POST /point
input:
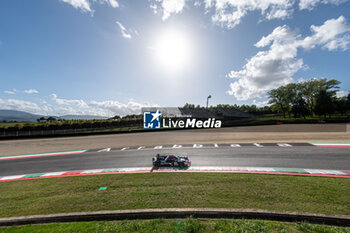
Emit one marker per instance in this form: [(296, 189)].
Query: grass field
[(188, 225), (175, 190)]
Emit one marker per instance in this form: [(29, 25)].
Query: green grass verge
[(175, 190), (188, 225)]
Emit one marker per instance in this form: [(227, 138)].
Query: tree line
[(51, 123), (253, 109), (315, 97), (309, 98)]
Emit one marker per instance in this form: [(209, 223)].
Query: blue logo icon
[(151, 120)]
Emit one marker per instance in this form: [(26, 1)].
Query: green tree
[(51, 118), (291, 96), (279, 100), (311, 88), (116, 117), (187, 105), (41, 119), (342, 105), (300, 108), (324, 103)]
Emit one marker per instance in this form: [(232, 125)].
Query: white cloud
[(311, 4), (31, 91), (72, 103), (168, 7), (276, 66), (101, 108), (172, 7), (267, 69), (20, 105), (342, 93), (154, 8), (61, 107), (230, 12), (330, 35), (197, 3), (261, 103), (9, 92), (113, 3), (83, 5), (124, 31), (70, 110), (117, 108)]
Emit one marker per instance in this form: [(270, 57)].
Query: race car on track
[(171, 161)]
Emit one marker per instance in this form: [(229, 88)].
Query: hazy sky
[(102, 57)]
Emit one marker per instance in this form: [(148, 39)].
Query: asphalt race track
[(293, 155)]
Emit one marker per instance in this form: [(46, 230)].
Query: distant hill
[(19, 116), (81, 117)]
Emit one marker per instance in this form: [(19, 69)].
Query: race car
[(171, 161)]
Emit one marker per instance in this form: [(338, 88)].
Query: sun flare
[(172, 50)]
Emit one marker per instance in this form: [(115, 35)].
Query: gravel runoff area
[(248, 134)]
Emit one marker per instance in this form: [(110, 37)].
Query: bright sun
[(172, 50)]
